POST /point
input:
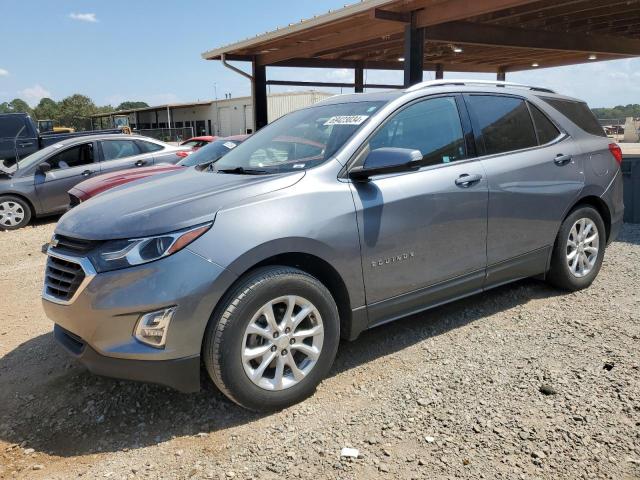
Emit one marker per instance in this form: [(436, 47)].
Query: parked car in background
[(203, 157), (19, 136), (256, 268), (39, 184), (197, 142)]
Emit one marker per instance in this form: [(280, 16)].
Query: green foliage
[(46, 109), (131, 105), (74, 111), (621, 111), (16, 105)]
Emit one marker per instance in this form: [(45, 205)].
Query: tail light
[(182, 154), (616, 151)]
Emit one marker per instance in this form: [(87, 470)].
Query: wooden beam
[(338, 63), (294, 83), (496, 35), (402, 17), (430, 15)]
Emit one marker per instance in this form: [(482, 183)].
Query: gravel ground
[(522, 382)]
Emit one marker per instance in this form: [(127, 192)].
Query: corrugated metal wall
[(281, 104)]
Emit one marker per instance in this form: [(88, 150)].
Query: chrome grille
[(62, 278), (76, 246)]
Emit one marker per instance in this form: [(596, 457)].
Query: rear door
[(122, 154), (25, 144), (69, 166), (534, 176)]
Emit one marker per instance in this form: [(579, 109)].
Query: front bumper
[(103, 316), (182, 374)]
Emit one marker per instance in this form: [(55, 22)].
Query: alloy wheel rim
[(11, 213), (583, 246), (282, 342)]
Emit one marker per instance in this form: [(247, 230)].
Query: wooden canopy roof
[(459, 35)]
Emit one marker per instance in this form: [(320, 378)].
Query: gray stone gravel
[(524, 382)]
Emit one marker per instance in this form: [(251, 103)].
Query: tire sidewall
[(25, 206), (234, 377), (561, 267)]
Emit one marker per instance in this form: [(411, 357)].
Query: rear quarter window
[(579, 113)]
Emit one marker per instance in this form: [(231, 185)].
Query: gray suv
[(334, 219)]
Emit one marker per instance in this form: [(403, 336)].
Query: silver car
[(354, 212), (39, 185)]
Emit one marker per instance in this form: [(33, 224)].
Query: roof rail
[(496, 83)]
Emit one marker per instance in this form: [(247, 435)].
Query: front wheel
[(579, 250), (274, 339), (14, 212)]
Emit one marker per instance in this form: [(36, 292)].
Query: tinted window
[(10, 125), (72, 157), (114, 149), (147, 147), (579, 113), (432, 126), (504, 123), (547, 131), (209, 153)]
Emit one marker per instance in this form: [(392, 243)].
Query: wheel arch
[(601, 207), (24, 198)]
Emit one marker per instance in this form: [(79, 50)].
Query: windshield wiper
[(242, 171)]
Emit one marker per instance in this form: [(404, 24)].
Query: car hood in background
[(166, 203), (106, 181)]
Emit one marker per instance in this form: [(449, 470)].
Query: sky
[(148, 50)]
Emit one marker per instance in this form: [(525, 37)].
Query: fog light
[(152, 327)]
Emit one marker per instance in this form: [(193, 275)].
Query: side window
[(504, 123), (72, 157), (148, 147), (546, 131), (114, 149), (431, 126), (10, 125), (579, 113)]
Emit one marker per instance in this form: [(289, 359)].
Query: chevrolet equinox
[(336, 218)]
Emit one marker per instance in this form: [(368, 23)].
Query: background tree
[(16, 105), (47, 109), (75, 112), (131, 105)]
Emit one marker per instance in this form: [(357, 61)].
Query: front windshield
[(209, 153), (303, 139)]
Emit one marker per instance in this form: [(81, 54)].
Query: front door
[(535, 175), (11, 143), (423, 233), (69, 167)]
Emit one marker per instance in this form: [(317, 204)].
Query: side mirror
[(44, 167), (387, 160)]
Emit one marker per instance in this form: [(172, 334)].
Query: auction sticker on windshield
[(346, 120), (229, 145)]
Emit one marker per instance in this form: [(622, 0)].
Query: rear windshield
[(579, 113)]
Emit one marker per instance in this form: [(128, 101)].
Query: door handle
[(140, 163), (465, 180), (561, 159), (25, 144), (86, 173)]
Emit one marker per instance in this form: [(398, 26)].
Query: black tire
[(23, 208), (224, 336), (560, 274)]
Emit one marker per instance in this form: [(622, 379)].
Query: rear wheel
[(14, 212), (274, 340), (579, 250)]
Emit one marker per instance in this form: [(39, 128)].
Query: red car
[(197, 142), (204, 156)]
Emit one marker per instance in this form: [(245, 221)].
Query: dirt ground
[(523, 382)]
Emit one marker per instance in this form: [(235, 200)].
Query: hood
[(165, 203), (106, 181)]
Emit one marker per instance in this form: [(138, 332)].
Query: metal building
[(225, 117)]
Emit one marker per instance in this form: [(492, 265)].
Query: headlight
[(118, 254)]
